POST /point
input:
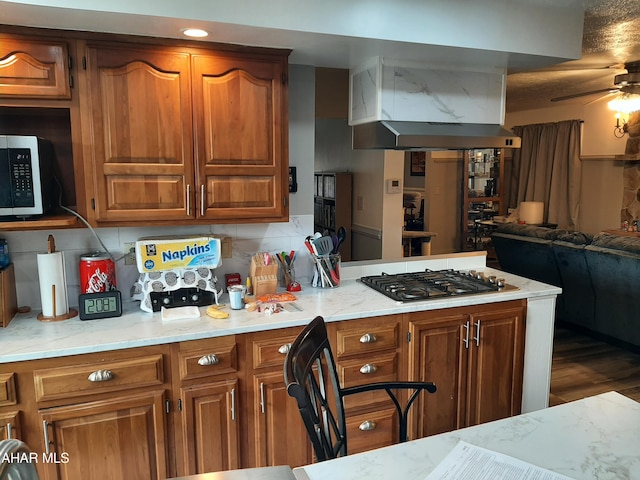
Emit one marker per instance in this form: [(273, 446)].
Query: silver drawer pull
[(368, 368), (210, 359), (284, 349), (368, 338), (9, 428), (101, 376), (367, 426)]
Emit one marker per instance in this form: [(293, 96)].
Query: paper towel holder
[(51, 248)]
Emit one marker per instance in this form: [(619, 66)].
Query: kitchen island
[(26, 338), (588, 439), (207, 394)]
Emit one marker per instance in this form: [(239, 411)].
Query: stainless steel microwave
[(27, 184)]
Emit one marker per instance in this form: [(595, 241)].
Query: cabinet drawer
[(8, 389), (371, 336), (271, 352), (367, 431), (204, 362), (382, 368), (74, 381)]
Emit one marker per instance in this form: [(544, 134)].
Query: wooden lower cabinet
[(276, 433), (10, 425), (221, 403), (475, 356), (9, 407), (207, 409), (210, 428), (121, 437)]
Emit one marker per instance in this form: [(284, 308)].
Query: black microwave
[(27, 185)]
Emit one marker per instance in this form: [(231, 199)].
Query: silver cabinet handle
[(368, 368), (188, 200), (101, 376), (261, 397), (367, 426), (202, 200), (477, 337), (368, 338), (46, 437), (9, 431), (233, 404), (284, 349), (210, 359), (466, 335)]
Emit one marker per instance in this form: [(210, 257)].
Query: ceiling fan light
[(625, 103)]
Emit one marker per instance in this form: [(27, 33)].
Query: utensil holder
[(327, 271), (288, 275)]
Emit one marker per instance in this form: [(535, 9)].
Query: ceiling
[(611, 37)]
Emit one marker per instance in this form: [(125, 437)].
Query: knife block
[(264, 277), (8, 298)]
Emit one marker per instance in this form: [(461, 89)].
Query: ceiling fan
[(628, 83)]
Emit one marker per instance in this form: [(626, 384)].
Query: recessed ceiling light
[(195, 32)]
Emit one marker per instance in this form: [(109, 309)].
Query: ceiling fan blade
[(584, 94)]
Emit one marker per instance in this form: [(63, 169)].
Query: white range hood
[(408, 106)]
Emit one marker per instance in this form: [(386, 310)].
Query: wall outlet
[(129, 251), (226, 247)]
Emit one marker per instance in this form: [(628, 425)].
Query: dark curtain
[(547, 169)]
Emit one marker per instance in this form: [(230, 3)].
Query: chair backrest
[(308, 366)]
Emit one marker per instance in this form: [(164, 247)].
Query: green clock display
[(92, 306)]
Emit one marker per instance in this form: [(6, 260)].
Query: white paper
[(178, 313), (51, 272), (468, 462)]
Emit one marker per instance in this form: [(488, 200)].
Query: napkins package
[(165, 253)]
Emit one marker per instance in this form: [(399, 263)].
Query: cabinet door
[(495, 365), (34, 68), (241, 137), (280, 436), (438, 354), (122, 437), (210, 427), (10, 425), (139, 109)]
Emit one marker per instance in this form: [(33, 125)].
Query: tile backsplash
[(247, 239)]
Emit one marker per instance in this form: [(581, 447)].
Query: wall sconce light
[(623, 105), (620, 129)]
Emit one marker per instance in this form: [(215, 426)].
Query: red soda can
[(97, 273)]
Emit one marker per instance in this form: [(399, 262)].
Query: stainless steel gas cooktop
[(430, 284)]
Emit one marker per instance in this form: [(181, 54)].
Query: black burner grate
[(430, 284)]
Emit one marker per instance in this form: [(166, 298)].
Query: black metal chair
[(311, 378)]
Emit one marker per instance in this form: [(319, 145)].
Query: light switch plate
[(394, 185)]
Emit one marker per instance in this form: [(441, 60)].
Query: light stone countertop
[(589, 439), (26, 338)]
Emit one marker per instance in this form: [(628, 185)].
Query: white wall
[(443, 203), (392, 209)]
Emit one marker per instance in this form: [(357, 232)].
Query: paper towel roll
[(51, 272), (531, 212)]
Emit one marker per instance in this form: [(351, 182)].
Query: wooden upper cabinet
[(34, 68), (240, 122), (138, 102)]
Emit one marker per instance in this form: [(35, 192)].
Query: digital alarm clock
[(92, 306)]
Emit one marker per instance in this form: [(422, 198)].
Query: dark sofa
[(599, 275)]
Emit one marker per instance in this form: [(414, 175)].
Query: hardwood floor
[(583, 366)]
